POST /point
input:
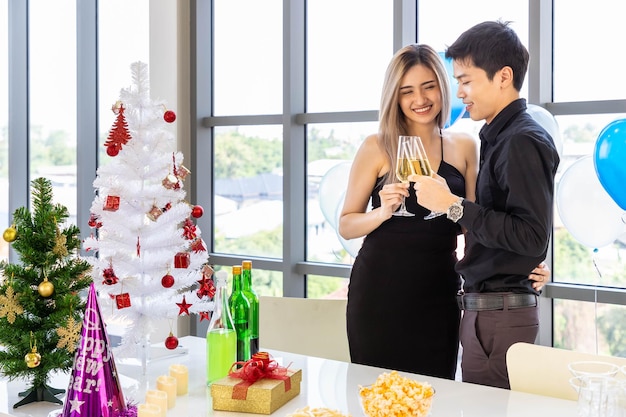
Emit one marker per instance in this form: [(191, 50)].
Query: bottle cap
[(236, 269), (246, 264), (221, 278)]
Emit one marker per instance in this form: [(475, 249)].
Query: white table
[(325, 383)]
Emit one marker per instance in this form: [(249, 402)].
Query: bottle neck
[(237, 282), (221, 312), (247, 279)]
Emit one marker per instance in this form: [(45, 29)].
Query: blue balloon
[(610, 160), (457, 108)]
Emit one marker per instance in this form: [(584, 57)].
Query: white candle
[(148, 410), (168, 384), (181, 373), (158, 398)]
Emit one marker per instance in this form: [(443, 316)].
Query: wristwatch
[(455, 211)]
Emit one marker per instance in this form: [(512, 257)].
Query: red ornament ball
[(169, 116), (171, 342), (197, 211), (167, 281), (112, 151)]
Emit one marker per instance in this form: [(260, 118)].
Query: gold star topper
[(9, 305), (69, 335)]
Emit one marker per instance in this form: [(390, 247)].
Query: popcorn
[(393, 395), (317, 412)]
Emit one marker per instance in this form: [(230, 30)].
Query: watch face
[(455, 212)]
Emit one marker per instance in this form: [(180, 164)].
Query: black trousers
[(487, 335)]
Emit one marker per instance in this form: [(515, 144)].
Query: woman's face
[(420, 96)]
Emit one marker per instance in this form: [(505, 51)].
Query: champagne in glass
[(422, 167), (404, 168)]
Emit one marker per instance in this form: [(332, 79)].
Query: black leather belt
[(495, 301)]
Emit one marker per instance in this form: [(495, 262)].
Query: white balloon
[(548, 122), (586, 209), (332, 187)]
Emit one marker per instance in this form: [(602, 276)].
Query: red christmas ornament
[(112, 151), (169, 116), (109, 276), (112, 203), (197, 246), (181, 260), (167, 281), (183, 306), (171, 342), (197, 211), (93, 220), (205, 315), (119, 134), (189, 229), (122, 300)]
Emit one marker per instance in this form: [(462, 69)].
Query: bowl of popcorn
[(393, 395)]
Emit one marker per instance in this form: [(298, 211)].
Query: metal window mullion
[(294, 147), (19, 116), (87, 130)]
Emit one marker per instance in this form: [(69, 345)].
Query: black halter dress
[(402, 312)]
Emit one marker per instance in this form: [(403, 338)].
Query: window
[(117, 50), (4, 124), (347, 56), (248, 57), (248, 178), (586, 61), (52, 63)]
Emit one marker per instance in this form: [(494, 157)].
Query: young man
[(509, 225)]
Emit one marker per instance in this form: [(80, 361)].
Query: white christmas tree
[(150, 264)]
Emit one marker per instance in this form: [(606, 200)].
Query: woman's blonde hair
[(392, 122)]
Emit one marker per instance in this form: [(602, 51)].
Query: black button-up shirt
[(509, 226)]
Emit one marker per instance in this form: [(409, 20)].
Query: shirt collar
[(489, 132)]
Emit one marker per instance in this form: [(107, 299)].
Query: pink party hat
[(94, 388)]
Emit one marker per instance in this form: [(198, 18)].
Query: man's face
[(479, 94)]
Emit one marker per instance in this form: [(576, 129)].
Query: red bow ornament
[(260, 366)]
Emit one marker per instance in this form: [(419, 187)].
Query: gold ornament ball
[(46, 289), (10, 234), (32, 359)]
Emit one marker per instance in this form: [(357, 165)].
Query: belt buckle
[(461, 296)]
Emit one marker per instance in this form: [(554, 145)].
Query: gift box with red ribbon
[(122, 300), (258, 386), (181, 260), (112, 203)]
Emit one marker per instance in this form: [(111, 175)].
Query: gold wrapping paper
[(264, 396)]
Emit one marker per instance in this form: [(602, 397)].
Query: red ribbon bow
[(260, 366)]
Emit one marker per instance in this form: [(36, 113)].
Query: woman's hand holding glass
[(404, 168)]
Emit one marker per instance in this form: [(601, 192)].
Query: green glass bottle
[(221, 338), (253, 298), (240, 310)]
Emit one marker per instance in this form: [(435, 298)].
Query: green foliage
[(578, 134), (572, 259), (328, 147), (239, 156), (613, 327), (47, 252), (322, 287)]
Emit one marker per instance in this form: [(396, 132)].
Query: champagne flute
[(421, 166), (404, 169)]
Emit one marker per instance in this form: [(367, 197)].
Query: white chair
[(304, 325), (543, 370)]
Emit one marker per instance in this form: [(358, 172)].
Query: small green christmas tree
[(41, 308)]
